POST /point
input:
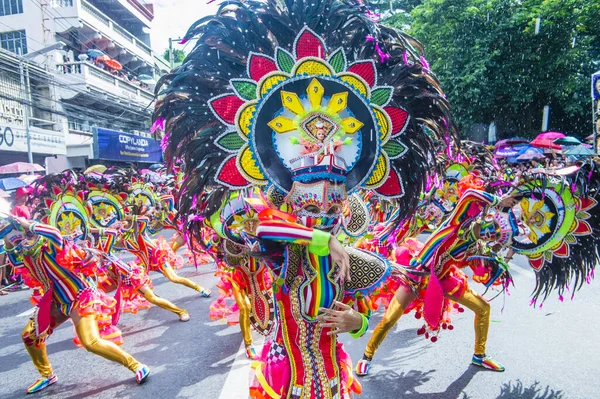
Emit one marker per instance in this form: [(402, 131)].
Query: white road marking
[(26, 313), (237, 382)]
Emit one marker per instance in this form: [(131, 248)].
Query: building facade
[(101, 79)]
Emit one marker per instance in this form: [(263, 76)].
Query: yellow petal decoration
[(385, 124), (315, 93), (282, 124), (351, 125), (380, 172), (244, 120), (247, 165), (356, 82), (313, 67), (271, 81), (292, 102), (338, 102)]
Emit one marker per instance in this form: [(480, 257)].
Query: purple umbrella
[(506, 152), (511, 142)]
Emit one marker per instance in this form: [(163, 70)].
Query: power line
[(51, 81), (58, 18), (85, 110)]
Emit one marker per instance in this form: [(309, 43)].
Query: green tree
[(178, 55), (495, 67)]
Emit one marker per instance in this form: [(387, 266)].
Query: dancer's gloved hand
[(340, 257), (343, 320)]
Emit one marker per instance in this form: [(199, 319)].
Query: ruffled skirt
[(163, 254), (93, 302)]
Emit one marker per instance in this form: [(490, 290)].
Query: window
[(14, 41), (10, 7), (61, 3)]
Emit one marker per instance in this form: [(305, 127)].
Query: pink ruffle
[(132, 299), (163, 254), (92, 302), (224, 307), (77, 260)]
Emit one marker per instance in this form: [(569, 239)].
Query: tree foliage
[(178, 55), (495, 67)]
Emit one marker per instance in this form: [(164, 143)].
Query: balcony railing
[(106, 23), (99, 15), (90, 74)]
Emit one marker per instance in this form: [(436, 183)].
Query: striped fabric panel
[(51, 233), (293, 233), (322, 292), (471, 201)]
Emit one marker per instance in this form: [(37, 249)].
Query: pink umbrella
[(551, 136), (545, 143), (21, 167)]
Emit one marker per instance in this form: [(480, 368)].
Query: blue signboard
[(118, 146)]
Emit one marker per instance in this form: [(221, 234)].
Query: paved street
[(550, 353)]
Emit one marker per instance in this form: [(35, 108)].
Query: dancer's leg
[(393, 313), (481, 308), (170, 274), (243, 302), (87, 331), (178, 243), (36, 348), (163, 303)]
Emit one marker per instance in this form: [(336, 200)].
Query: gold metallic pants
[(89, 336), (160, 302), (170, 274), (243, 302), (177, 243), (481, 308), (469, 299), (389, 320)]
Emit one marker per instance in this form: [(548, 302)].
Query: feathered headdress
[(277, 92)]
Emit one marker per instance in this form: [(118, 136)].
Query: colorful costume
[(67, 293), (552, 226), (311, 119), (244, 277), (132, 282)]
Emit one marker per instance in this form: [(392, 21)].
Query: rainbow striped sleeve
[(470, 197), (469, 205), (51, 233), (282, 231), (107, 241), (142, 223)]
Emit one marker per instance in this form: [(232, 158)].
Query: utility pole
[(171, 55), (545, 118), (596, 109), (25, 95)]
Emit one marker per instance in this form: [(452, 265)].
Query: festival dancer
[(445, 252), (131, 280), (67, 294), (105, 211), (153, 255), (244, 277), (313, 120)]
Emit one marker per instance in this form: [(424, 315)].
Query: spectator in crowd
[(3, 280), (19, 209)]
